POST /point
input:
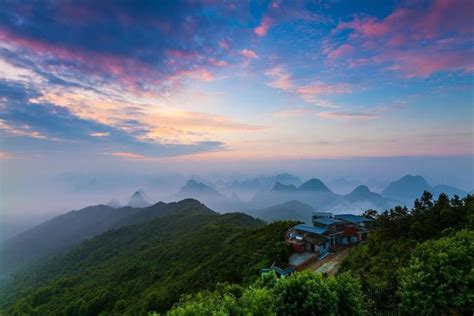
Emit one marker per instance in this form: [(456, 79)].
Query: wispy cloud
[(418, 40), (292, 113), (348, 115), (280, 78), (248, 53), (262, 29), (127, 155)]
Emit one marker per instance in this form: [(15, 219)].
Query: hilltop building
[(328, 232)]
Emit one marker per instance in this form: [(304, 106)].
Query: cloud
[(248, 53), (123, 44), (348, 115), (281, 78), (321, 88), (312, 93), (341, 51), (5, 155), (128, 155), (99, 134), (292, 113), (36, 124), (417, 40), (262, 29)]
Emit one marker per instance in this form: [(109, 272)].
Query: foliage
[(380, 262), (440, 277), (303, 293), (144, 267), (197, 262)]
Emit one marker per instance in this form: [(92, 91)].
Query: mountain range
[(313, 193), (281, 201), (209, 196), (147, 267), (63, 232), (409, 187)]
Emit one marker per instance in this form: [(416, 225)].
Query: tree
[(440, 277), (370, 213), (305, 293)]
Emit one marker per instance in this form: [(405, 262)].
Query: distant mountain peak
[(361, 189), (417, 179), (193, 187), (282, 187), (138, 199), (193, 184), (314, 185)]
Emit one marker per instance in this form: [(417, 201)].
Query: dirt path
[(330, 264)]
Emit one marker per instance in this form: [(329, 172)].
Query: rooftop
[(353, 218), (310, 229), (326, 220), (321, 214)]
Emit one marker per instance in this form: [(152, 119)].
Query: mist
[(32, 191)]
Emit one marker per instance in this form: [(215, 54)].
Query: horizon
[(230, 90)]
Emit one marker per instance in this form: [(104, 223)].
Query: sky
[(234, 86)]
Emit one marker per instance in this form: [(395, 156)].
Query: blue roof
[(281, 271), (354, 218), (310, 229), (326, 220)]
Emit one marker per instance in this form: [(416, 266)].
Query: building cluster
[(328, 233)]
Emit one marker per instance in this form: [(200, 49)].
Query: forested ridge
[(434, 238), (195, 261), (417, 261), (139, 268)]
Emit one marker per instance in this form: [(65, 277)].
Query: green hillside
[(146, 267)]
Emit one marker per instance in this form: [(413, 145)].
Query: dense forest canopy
[(144, 267), (193, 263)]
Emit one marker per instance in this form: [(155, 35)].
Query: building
[(281, 272), (358, 225), (305, 238), (328, 232)]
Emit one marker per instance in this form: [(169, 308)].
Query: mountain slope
[(148, 266), (64, 231), (193, 188), (361, 199), (409, 187), (291, 210), (57, 234), (314, 185), (209, 196), (313, 192)]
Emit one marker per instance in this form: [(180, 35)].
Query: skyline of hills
[(282, 201)]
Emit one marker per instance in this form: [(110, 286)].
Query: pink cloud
[(348, 115), (5, 155), (417, 40), (199, 73), (248, 53), (128, 155), (224, 44), (321, 88), (218, 63), (292, 113), (262, 29), (425, 62), (341, 51), (281, 79)]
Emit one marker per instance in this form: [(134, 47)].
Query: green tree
[(440, 277), (305, 293)]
